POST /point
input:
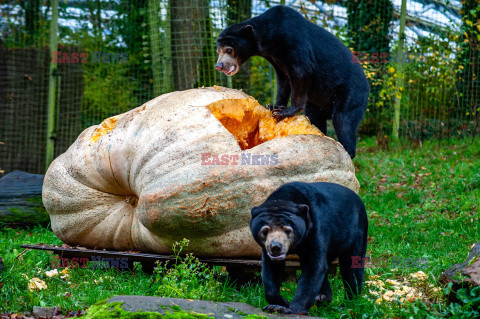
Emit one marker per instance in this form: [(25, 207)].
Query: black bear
[(313, 67), (319, 222)]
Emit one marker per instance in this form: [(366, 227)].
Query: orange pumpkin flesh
[(252, 124), (106, 126)]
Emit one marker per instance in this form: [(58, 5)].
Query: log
[(21, 199), (464, 275)]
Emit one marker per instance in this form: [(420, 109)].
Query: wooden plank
[(240, 270), (148, 257)]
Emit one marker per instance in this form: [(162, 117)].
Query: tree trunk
[(238, 11), (32, 20), (189, 33)]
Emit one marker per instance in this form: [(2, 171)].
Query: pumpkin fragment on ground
[(142, 181)]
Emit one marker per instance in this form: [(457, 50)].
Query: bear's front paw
[(277, 308), (280, 114)]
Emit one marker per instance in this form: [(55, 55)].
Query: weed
[(189, 278)]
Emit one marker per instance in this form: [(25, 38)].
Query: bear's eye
[(264, 231), (229, 51), (288, 231)]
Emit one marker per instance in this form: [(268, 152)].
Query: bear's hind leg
[(316, 118), (346, 120), (352, 275)]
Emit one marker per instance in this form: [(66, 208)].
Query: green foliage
[(468, 59), (261, 80), (470, 297), (430, 76), (368, 32), (369, 24), (428, 106), (188, 278), (109, 90), (382, 92), (112, 86)]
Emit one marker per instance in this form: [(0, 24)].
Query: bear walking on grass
[(314, 68), (319, 222)]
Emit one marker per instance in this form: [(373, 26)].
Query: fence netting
[(421, 58)]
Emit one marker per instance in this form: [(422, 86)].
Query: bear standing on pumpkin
[(314, 68)]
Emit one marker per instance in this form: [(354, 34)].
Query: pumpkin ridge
[(113, 173)]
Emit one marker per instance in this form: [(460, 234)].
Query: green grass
[(423, 206)]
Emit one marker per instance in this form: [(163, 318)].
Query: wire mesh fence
[(421, 58)]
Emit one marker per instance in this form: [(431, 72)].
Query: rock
[(21, 199), (219, 310), (150, 177), (466, 273), (45, 312)]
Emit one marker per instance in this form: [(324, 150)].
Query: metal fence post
[(52, 85), (168, 81), (399, 82), (153, 9)]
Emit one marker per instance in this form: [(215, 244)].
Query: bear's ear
[(255, 211), (248, 30), (305, 213)]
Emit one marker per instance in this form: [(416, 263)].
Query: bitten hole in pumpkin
[(252, 124)]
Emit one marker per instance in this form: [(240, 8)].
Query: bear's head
[(279, 226), (235, 45)]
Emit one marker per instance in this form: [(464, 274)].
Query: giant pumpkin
[(188, 164)]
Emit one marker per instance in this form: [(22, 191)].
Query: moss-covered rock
[(113, 310)]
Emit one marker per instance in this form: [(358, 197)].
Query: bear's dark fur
[(313, 67), (319, 222)]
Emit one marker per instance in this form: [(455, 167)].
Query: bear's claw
[(273, 108), (284, 113), (277, 308), (323, 300)]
